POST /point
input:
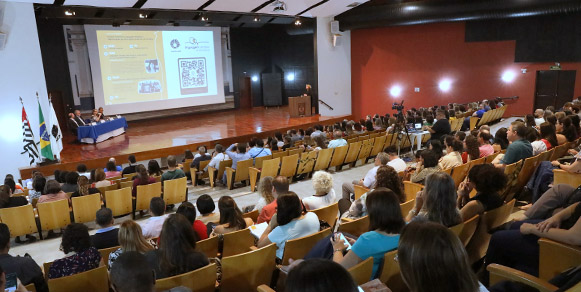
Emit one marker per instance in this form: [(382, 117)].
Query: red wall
[(421, 55)]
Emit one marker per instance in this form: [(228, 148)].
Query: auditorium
[(123, 119)]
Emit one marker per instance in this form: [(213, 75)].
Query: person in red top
[(143, 178), (279, 187), (189, 211)]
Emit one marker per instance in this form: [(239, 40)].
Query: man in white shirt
[(152, 227), (394, 161), (539, 116), (369, 181), (217, 156), (337, 140)]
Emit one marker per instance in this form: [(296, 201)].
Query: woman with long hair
[(189, 211), (100, 179), (230, 217), (437, 201), (530, 121), (84, 187), (472, 149), (432, 259), (8, 201), (427, 164), (111, 170), (500, 139), (264, 192), (437, 148), (548, 139), (565, 129), (153, 168), (488, 181), (576, 120), (177, 249), (142, 178), (130, 239)]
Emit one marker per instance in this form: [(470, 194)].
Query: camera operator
[(440, 128)]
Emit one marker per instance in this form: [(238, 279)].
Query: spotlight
[(204, 18), (69, 12), (395, 91), (508, 76), (256, 19), (445, 85), (254, 78), (290, 77), (298, 22), (141, 15)]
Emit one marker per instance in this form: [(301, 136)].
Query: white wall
[(334, 70), (21, 74)]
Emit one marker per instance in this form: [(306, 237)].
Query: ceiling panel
[(292, 7), (235, 5), (331, 8), (174, 4), (102, 3)]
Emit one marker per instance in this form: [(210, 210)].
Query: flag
[(45, 149), (56, 136), (28, 139)]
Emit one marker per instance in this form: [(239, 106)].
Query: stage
[(160, 137)]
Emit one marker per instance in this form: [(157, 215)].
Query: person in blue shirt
[(258, 150), (385, 224), (236, 152), (337, 140)]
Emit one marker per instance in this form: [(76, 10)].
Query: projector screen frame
[(128, 108)]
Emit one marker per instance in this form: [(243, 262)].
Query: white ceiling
[(329, 8)]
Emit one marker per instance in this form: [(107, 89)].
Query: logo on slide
[(174, 44), (192, 41)]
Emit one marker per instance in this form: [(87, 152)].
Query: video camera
[(397, 107)]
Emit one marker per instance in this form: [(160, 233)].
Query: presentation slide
[(139, 69)]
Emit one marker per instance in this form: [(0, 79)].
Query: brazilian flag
[(45, 149)]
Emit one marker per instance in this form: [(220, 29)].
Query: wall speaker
[(335, 27), (3, 38), (337, 40)]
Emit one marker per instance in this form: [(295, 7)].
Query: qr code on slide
[(193, 72)]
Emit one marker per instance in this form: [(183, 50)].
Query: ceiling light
[(298, 22), (254, 78), (290, 77), (69, 12), (141, 15), (445, 85), (256, 19), (508, 76), (204, 18), (411, 8), (395, 91)]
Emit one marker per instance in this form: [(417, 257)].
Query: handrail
[(326, 104)]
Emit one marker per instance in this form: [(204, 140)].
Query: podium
[(300, 106)]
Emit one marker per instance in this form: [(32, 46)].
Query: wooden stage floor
[(150, 139)]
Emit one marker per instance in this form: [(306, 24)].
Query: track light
[(256, 19), (204, 18), (141, 15), (298, 22), (69, 12)]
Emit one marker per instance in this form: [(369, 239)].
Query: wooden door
[(554, 88)]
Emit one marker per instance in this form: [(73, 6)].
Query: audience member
[(202, 155), (8, 201), (319, 275), (290, 223), (80, 256), (217, 156), (264, 192), (324, 193), (453, 157), (279, 187), (337, 141), (519, 147), (25, 268), (107, 235), (484, 147), (131, 168), (488, 181), (111, 170), (368, 181), (173, 171), (437, 201), (239, 155), (539, 116), (84, 188), (62, 177), (230, 217), (117, 167), (130, 240), (177, 249), (152, 226), (427, 164), (52, 192), (153, 168), (131, 273), (206, 207), (566, 129), (70, 185), (500, 139), (82, 170), (38, 184), (385, 224), (189, 211), (440, 128), (472, 148), (142, 179), (258, 150), (394, 161), (439, 264), (555, 199), (100, 179)]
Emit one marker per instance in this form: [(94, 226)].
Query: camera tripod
[(401, 131)]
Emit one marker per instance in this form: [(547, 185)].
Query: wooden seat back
[(459, 173), (355, 227), (295, 151), (307, 162), (86, 207), (324, 159), (353, 152), (511, 171), (115, 186), (456, 229), (144, 195), (299, 247), (186, 166), (259, 160), (245, 272), (359, 191), (329, 214), (556, 257), (53, 215), (237, 242), (406, 207), (546, 155), (339, 154), (199, 172), (175, 191), (208, 246), (366, 148), (490, 158), (202, 279), (95, 280), (528, 168), (361, 272), (564, 177), (125, 184), (252, 215), (390, 272), (378, 145), (105, 252), (270, 167), (279, 154), (411, 189), (288, 167), (20, 220), (214, 173), (468, 228), (119, 201), (242, 170), (479, 243), (476, 162)]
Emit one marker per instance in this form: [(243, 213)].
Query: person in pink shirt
[(52, 192), (112, 170), (484, 142)]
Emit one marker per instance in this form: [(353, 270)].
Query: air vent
[(354, 4)]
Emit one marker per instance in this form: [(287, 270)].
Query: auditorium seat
[(355, 227), (95, 280), (259, 160), (144, 195), (564, 177), (526, 171), (279, 154), (214, 173), (307, 162), (245, 272), (252, 215), (328, 214), (378, 146), (407, 207), (119, 201), (199, 280), (208, 246), (390, 272), (175, 191), (199, 174), (288, 166), (411, 189), (365, 152), (459, 173), (105, 252), (53, 215), (299, 247), (511, 171), (359, 191), (456, 229), (239, 174), (126, 184), (362, 272), (86, 207), (237, 242), (468, 229), (323, 159), (269, 168), (20, 220), (352, 153), (338, 157)]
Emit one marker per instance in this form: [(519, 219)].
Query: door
[(554, 88)]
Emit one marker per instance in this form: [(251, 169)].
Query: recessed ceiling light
[(298, 22), (141, 15), (256, 19), (69, 12)]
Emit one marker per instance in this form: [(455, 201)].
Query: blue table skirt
[(95, 131)]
